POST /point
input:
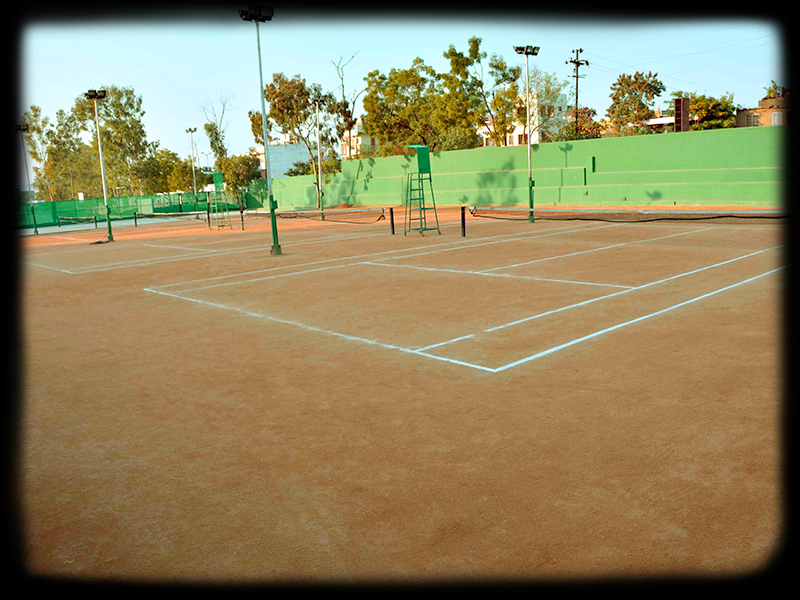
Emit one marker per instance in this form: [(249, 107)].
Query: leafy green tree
[(37, 143), (632, 100), (238, 172), (582, 128), (293, 107), (492, 99), (546, 91), (399, 107), (706, 112), (126, 150)]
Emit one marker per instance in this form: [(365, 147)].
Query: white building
[(355, 139), (546, 116), (282, 155)]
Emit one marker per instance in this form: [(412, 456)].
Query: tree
[(344, 110), (399, 107), (126, 150), (37, 143), (293, 107), (492, 100), (632, 100), (582, 128), (215, 129), (706, 112), (238, 172), (546, 98)]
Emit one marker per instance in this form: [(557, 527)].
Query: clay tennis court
[(559, 399)]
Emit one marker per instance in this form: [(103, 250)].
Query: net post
[(531, 218), (463, 223), (391, 217), (276, 248)]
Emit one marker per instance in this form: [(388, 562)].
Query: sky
[(179, 66)]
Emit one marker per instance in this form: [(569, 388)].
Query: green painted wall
[(742, 166)]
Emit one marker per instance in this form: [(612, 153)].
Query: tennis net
[(199, 215), (628, 215), (354, 216), (77, 220)]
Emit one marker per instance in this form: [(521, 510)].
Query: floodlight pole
[(92, 94), (256, 13), (190, 131), (319, 168), (528, 51), (22, 129)]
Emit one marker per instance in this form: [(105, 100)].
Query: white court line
[(506, 275), (370, 254), (180, 247), (27, 262), (591, 300), (625, 324), (320, 330), (596, 249), (420, 352)]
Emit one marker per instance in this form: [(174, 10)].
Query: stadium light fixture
[(262, 14), (96, 95), (528, 51)]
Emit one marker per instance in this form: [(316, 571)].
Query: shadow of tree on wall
[(566, 149), (498, 187), (654, 195)]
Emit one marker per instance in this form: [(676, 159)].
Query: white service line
[(530, 262), (627, 323), (461, 244), (506, 275)]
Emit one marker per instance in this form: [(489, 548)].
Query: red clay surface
[(195, 409)]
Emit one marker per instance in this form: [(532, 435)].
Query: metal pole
[(531, 218), (276, 248), (319, 168), (191, 154), (103, 173)]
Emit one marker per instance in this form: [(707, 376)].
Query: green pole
[(531, 218), (276, 247), (103, 173)]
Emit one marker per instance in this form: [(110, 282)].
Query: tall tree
[(400, 107), (496, 92), (632, 98), (293, 107), (38, 143), (215, 129), (344, 117), (238, 172), (126, 149)]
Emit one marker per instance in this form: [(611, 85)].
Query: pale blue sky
[(176, 67)]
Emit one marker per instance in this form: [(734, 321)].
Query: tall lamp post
[(528, 51), (100, 95), (23, 128), (190, 131), (262, 14)]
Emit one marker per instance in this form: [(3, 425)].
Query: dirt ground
[(369, 407)]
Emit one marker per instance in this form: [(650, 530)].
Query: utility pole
[(578, 63)]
